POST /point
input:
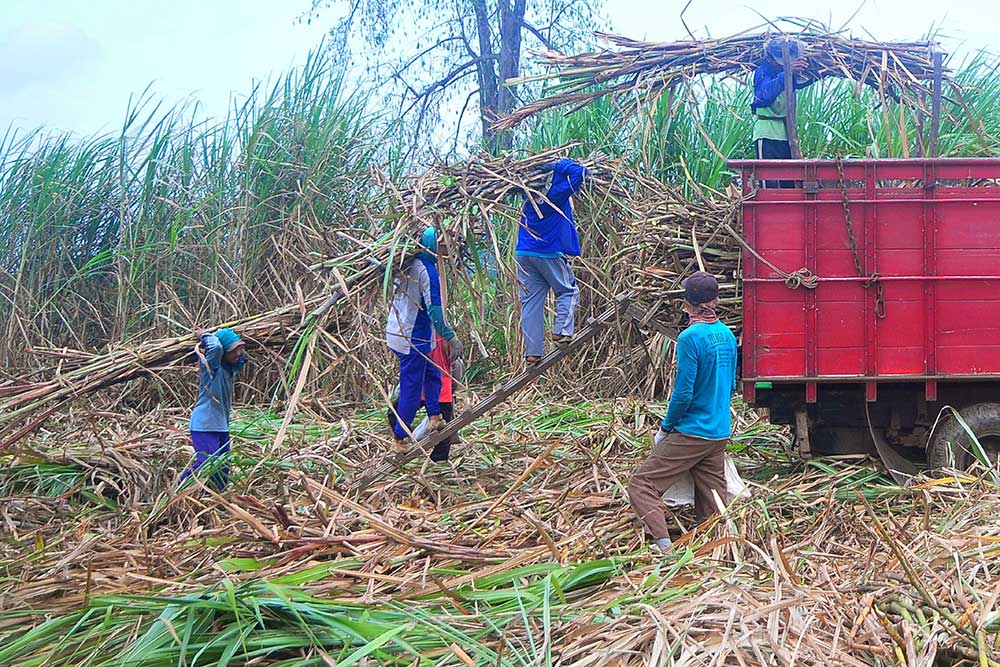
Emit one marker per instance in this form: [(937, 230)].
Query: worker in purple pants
[(220, 357)]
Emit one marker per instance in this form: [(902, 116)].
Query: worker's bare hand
[(800, 65), (199, 332)]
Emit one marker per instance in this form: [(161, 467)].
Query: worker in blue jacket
[(697, 427), (416, 313), (770, 134), (220, 357), (547, 236)]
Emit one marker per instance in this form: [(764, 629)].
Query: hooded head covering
[(775, 48), (429, 241), (228, 338)]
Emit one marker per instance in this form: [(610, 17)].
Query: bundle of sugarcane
[(84, 373), (897, 68), (638, 232), (489, 181), (670, 237)]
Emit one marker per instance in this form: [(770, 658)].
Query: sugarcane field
[(282, 383)]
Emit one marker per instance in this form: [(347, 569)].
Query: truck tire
[(950, 445)]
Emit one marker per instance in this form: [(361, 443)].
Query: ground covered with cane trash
[(520, 551)]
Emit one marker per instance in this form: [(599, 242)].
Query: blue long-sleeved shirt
[(705, 382), (550, 231), (769, 101), (216, 379), (769, 84)]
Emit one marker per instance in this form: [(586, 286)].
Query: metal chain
[(842, 184), (874, 278)]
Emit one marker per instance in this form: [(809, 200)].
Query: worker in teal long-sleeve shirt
[(697, 427)]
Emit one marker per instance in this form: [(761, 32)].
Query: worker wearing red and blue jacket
[(769, 132), (547, 236), (416, 313)]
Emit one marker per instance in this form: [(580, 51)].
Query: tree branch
[(538, 34), (461, 117), (456, 74), (409, 63)]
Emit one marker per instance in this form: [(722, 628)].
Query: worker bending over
[(697, 426), (414, 316), (770, 134), (547, 236), (220, 357)]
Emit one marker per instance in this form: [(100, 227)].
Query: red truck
[(871, 300)]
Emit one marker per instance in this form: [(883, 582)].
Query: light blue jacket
[(215, 388), (416, 310)]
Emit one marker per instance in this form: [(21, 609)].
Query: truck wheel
[(951, 446)]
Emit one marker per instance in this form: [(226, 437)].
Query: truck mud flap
[(900, 469)]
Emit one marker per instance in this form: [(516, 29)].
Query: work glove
[(394, 398), (659, 436), (455, 349), (547, 168), (457, 370)]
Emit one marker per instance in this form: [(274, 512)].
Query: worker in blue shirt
[(415, 314), (697, 427), (220, 357), (770, 134), (547, 236)]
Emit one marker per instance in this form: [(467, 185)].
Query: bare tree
[(434, 53)]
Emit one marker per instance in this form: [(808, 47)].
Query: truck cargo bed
[(918, 301)]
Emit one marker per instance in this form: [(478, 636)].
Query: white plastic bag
[(421, 430), (682, 491)]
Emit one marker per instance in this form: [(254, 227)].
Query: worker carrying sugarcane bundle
[(769, 105), (221, 356), (547, 236), (415, 315), (694, 433)]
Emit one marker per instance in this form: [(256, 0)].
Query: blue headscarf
[(228, 338), (429, 241)]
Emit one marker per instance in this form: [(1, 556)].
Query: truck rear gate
[(907, 257)]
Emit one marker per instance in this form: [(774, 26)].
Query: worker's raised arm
[(213, 351), (767, 85), (683, 389), (567, 179), (430, 289)]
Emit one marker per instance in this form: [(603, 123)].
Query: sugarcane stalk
[(791, 113)]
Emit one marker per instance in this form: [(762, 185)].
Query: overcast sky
[(73, 64)]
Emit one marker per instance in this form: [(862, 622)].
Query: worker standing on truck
[(220, 357), (770, 134), (697, 427), (547, 236), (416, 313)]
